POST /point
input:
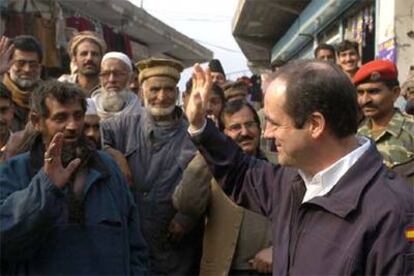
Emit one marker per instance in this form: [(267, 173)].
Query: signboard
[(387, 50), (386, 42)]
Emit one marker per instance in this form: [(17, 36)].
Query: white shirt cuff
[(195, 132)]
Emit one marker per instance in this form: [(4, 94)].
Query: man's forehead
[(276, 87), (325, 52), (55, 106), (113, 63), (88, 44), (161, 81), (244, 114), (348, 51), (275, 96), (378, 84), (92, 119), (26, 55)]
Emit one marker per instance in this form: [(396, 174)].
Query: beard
[(81, 149), (91, 71), (159, 111), (24, 83), (114, 101)]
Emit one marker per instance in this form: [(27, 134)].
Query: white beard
[(159, 111), (114, 101), (23, 83)]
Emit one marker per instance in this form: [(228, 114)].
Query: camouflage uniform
[(396, 142)]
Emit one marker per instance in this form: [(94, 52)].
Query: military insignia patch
[(409, 234), (375, 76)]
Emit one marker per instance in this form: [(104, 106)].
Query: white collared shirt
[(322, 182)]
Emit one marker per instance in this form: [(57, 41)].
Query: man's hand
[(262, 262), (6, 51), (201, 90), (53, 163), (122, 163)]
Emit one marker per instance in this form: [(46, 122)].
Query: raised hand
[(6, 51), (201, 90), (53, 166)]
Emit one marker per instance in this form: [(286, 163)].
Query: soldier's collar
[(395, 125)]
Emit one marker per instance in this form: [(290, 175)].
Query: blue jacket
[(36, 237), (361, 227), (157, 156)]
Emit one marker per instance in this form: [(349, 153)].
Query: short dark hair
[(319, 86), (4, 92), (324, 46), (62, 92), (235, 106), (391, 83), (347, 45), (216, 89), (28, 43)]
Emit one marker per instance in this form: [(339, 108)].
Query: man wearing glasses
[(23, 76), (237, 241), (114, 96)]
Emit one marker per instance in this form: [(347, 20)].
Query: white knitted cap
[(120, 56)]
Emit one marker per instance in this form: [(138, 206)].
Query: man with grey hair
[(114, 96), (158, 149)]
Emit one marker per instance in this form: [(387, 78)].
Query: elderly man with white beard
[(158, 149), (114, 96)]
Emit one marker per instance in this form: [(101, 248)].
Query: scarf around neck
[(20, 97)]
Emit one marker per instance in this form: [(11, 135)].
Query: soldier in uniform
[(393, 132)]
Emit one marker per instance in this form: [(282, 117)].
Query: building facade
[(292, 29)]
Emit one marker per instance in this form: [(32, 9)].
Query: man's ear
[(35, 120), (316, 124), (396, 92)]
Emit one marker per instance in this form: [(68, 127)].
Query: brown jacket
[(232, 234)]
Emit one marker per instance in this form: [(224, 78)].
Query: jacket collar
[(394, 126), (157, 135), (345, 196)]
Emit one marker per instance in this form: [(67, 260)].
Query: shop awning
[(258, 24), (317, 15)]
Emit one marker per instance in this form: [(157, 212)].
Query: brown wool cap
[(157, 67), (234, 89), (85, 35)]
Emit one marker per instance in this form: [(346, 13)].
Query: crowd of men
[(102, 173)]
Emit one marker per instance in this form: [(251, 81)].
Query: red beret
[(376, 70)]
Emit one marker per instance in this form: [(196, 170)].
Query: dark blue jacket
[(361, 227), (157, 155), (36, 237)]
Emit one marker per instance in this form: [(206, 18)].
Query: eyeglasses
[(33, 64), (237, 127), (116, 74)]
